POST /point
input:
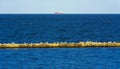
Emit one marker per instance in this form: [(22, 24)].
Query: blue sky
[(67, 6)]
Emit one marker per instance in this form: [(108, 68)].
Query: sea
[(36, 28)]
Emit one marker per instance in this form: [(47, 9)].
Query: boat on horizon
[(58, 12)]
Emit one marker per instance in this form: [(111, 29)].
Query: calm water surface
[(59, 28), (60, 58)]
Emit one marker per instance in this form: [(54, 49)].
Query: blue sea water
[(35, 28), (59, 28), (60, 58)]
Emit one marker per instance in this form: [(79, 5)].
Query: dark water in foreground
[(60, 58)]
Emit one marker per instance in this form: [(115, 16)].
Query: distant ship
[(59, 12)]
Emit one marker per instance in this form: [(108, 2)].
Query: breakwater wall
[(60, 45)]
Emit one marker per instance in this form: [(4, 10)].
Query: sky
[(67, 6)]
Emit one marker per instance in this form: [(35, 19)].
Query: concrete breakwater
[(61, 45)]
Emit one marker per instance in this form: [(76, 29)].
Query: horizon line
[(59, 14)]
